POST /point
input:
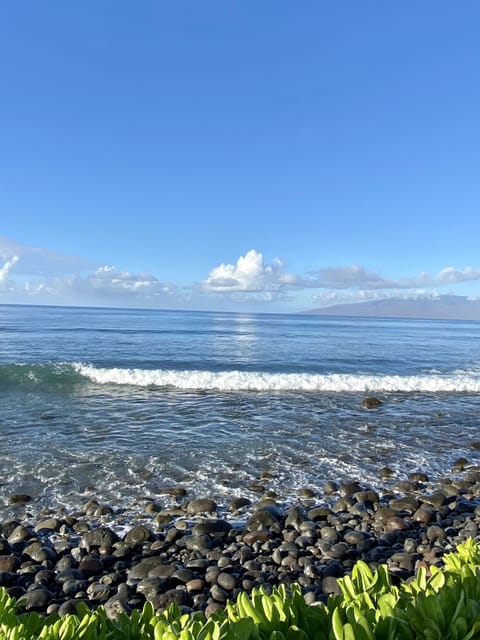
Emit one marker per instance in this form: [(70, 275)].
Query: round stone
[(226, 581), (201, 505)]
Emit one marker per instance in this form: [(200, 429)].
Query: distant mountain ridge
[(446, 307)]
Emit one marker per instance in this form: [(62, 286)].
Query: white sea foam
[(461, 382)]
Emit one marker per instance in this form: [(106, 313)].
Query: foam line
[(259, 381)]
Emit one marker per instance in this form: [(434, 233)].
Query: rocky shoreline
[(199, 554)]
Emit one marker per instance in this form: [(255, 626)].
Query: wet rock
[(264, 517), (349, 489), (405, 486), (200, 543), (69, 607), (196, 585), (435, 532), (472, 476), (141, 569), (44, 577), (35, 600), (201, 505), (386, 472), (218, 594), (257, 536), (227, 581), (329, 534), (212, 609), (197, 564), (48, 525), (239, 503), (100, 537), (8, 563), (418, 476), (99, 592), (371, 403), (69, 574), (404, 560), (330, 487), (71, 587), (182, 575), (383, 514), (306, 493), (177, 492), (295, 516), (172, 596), (342, 504), (319, 513), (214, 527), (20, 498), (370, 497), (138, 535), (19, 534), (395, 524), (150, 587), (330, 586), (339, 550), (355, 537), (460, 464), (424, 515), (408, 504), (118, 603), (90, 566), (437, 499)]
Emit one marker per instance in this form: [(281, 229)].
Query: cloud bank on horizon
[(36, 275)]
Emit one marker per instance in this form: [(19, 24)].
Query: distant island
[(446, 307)]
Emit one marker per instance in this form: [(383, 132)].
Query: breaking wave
[(259, 381), (70, 374)]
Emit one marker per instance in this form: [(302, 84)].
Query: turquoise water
[(128, 401)]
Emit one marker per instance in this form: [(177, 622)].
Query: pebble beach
[(199, 554)]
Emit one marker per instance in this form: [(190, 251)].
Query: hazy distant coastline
[(447, 307)]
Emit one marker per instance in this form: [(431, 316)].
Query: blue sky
[(272, 155)]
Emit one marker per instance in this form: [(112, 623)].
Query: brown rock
[(371, 403), (20, 498), (424, 515)]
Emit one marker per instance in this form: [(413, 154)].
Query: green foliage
[(441, 605)]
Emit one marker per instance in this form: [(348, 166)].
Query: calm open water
[(129, 401)]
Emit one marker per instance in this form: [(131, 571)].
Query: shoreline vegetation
[(198, 555), (442, 605)]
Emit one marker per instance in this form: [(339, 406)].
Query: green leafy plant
[(441, 604)]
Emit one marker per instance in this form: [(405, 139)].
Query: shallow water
[(126, 401)]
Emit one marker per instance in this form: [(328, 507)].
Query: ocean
[(120, 403)]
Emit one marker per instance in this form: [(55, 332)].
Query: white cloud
[(250, 273), (357, 277), (344, 278), (451, 275), (38, 261), (106, 282), (34, 274), (5, 268), (368, 295)]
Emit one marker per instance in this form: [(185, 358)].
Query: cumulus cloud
[(251, 278), (34, 274), (250, 273)]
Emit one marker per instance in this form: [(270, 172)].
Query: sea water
[(120, 403)]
